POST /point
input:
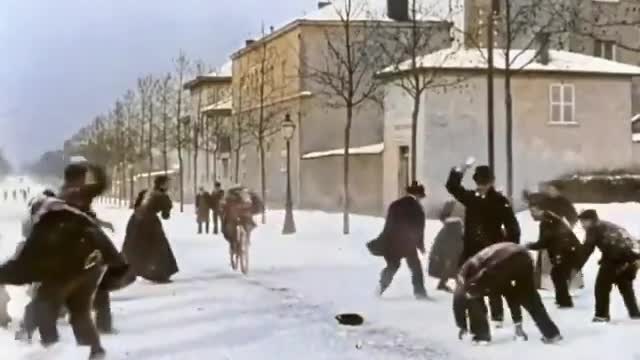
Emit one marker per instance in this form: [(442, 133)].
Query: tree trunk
[(263, 179), (150, 140), (237, 164), (347, 202), (508, 102), (414, 136), (197, 126), (179, 144), (206, 139)]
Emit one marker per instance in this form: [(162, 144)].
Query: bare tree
[(346, 78), (239, 129), (523, 32), (145, 90), (197, 125), (403, 46), (164, 96), (181, 67)]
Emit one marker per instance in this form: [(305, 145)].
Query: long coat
[(403, 232), (203, 206), (446, 250), (489, 219), (146, 246)]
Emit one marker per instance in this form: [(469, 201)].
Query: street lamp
[(288, 130)]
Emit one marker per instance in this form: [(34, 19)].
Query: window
[(562, 104), (606, 50)]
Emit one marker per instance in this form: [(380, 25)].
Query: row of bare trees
[(147, 125)]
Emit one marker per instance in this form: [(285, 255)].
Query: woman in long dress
[(146, 246), (447, 246)]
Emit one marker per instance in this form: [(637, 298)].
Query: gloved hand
[(520, 334), (462, 333)]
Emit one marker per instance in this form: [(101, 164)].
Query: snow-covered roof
[(560, 61), (77, 159), (223, 105), (635, 118), (373, 10), (429, 10), (154, 173), (635, 137), (362, 150)]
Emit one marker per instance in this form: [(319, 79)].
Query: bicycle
[(239, 250)]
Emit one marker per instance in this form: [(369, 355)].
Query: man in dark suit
[(203, 203), (618, 265), (505, 268), (216, 198), (402, 238), (489, 219), (557, 238)]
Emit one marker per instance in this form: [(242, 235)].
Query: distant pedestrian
[(402, 238), (216, 199), (203, 210)]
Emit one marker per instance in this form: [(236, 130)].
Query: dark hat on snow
[(416, 189), (160, 180), (589, 214), (483, 175), (350, 319)]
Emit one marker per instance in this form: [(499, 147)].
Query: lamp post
[(288, 130)]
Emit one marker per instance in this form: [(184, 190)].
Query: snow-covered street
[(284, 309)]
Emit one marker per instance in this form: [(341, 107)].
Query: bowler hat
[(416, 189), (483, 175), (350, 319)]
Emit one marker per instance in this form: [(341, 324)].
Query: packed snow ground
[(284, 309)]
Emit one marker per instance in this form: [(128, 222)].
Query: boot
[(520, 334), (598, 319), (554, 340)]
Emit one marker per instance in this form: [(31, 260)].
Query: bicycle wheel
[(244, 252)]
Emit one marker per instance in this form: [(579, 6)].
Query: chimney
[(398, 10), (322, 4), (249, 42), (542, 40)]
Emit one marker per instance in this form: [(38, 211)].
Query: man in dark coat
[(69, 274), (402, 238), (563, 247), (619, 263), (216, 199), (489, 219), (504, 268), (203, 204), (554, 202)]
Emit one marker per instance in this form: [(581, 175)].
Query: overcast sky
[(64, 61)]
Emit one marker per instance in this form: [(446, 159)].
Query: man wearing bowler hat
[(402, 238), (489, 219)]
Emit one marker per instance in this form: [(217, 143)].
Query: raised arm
[(455, 188)]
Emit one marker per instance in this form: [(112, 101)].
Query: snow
[(431, 10), (635, 118), (284, 309), (154, 173), (77, 159), (635, 137), (363, 150), (560, 61), (224, 105)]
